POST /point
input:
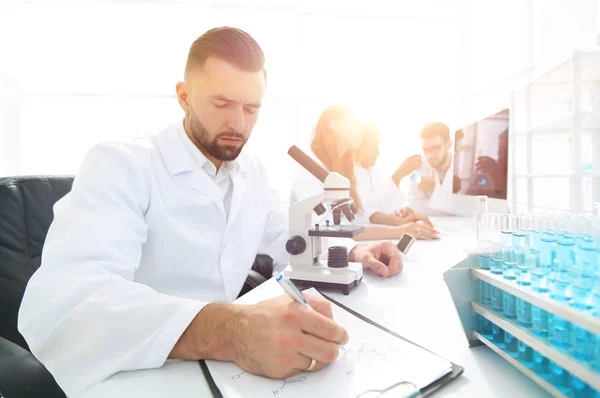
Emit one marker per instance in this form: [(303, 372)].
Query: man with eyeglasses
[(433, 184)]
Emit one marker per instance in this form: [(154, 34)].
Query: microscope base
[(321, 276)]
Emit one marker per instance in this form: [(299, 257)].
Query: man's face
[(435, 150), (221, 103)]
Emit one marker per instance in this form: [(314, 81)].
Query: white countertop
[(415, 304)]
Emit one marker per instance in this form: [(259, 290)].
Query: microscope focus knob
[(320, 209), (295, 245)]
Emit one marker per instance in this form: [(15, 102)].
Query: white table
[(415, 304)]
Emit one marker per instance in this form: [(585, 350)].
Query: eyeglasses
[(433, 148)]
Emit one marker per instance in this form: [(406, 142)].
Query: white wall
[(85, 71)]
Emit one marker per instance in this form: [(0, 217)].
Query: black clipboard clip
[(403, 389)]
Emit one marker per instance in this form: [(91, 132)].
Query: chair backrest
[(25, 215)]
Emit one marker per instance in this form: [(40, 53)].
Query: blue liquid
[(579, 389), (524, 313), (487, 329), (415, 177), (522, 268), (496, 266), (563, 264), (586, 258), (510, 306), (497, 299), (559, 378), (539, 321), (498, 336), (509, 265), (525, 354), (484, 261), (582, 343), (547, 256), (560, 331), (596, 353), (541, 365), (511, 345), (485, 293)]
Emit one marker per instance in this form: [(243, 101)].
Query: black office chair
[(25, 216)]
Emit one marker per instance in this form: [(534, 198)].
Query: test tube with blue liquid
[(498, 335), (508, 224), (596, 283), (485, 258), (579, 389), (559, 378), (565, 259), (541, 278), (522, 241), (559, 330), (509, 265), (525, 354), (586, 261), (539, 321), (541, 365), (538, 273), (511, 345)]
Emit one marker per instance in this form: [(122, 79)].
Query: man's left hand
[(383, 258)]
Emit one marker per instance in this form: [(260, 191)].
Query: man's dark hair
[(229, 44), (436, 129)]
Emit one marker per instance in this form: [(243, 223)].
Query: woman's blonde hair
[(325, 146)]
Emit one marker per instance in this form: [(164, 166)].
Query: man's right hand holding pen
[(280, 337)]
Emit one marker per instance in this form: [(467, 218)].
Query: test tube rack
[(463, 282)]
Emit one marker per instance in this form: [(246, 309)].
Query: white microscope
[(307, 241)]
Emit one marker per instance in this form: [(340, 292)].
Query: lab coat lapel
[(201, 182), (239, 188), (179, 162)]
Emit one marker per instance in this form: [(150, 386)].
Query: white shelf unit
[(557, 120)]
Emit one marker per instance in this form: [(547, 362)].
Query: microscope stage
[(336, 231), (321, 276)]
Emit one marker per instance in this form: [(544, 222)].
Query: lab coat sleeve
[(417, 200), (82, 315)]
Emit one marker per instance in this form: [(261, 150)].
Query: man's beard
[(441, 162), (220, 152)]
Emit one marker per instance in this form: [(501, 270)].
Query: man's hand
[(278, 338), (383, 258), (410, 164), (427, 184)]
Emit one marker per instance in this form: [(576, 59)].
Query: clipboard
[(456, 370)]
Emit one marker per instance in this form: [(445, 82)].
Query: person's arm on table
[(418, 230)]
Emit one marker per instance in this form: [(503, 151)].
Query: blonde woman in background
[(336, 144), (381, 197)]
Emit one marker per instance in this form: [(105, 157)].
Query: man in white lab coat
[(434, 190), (158, 235)]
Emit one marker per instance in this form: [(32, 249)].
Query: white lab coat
[(136, 249), (441, 197), (377, 194)]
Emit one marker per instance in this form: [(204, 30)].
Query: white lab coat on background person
[(432, 204), (377, 194), (138, 247)]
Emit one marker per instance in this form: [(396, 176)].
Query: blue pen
[(291, 289)]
